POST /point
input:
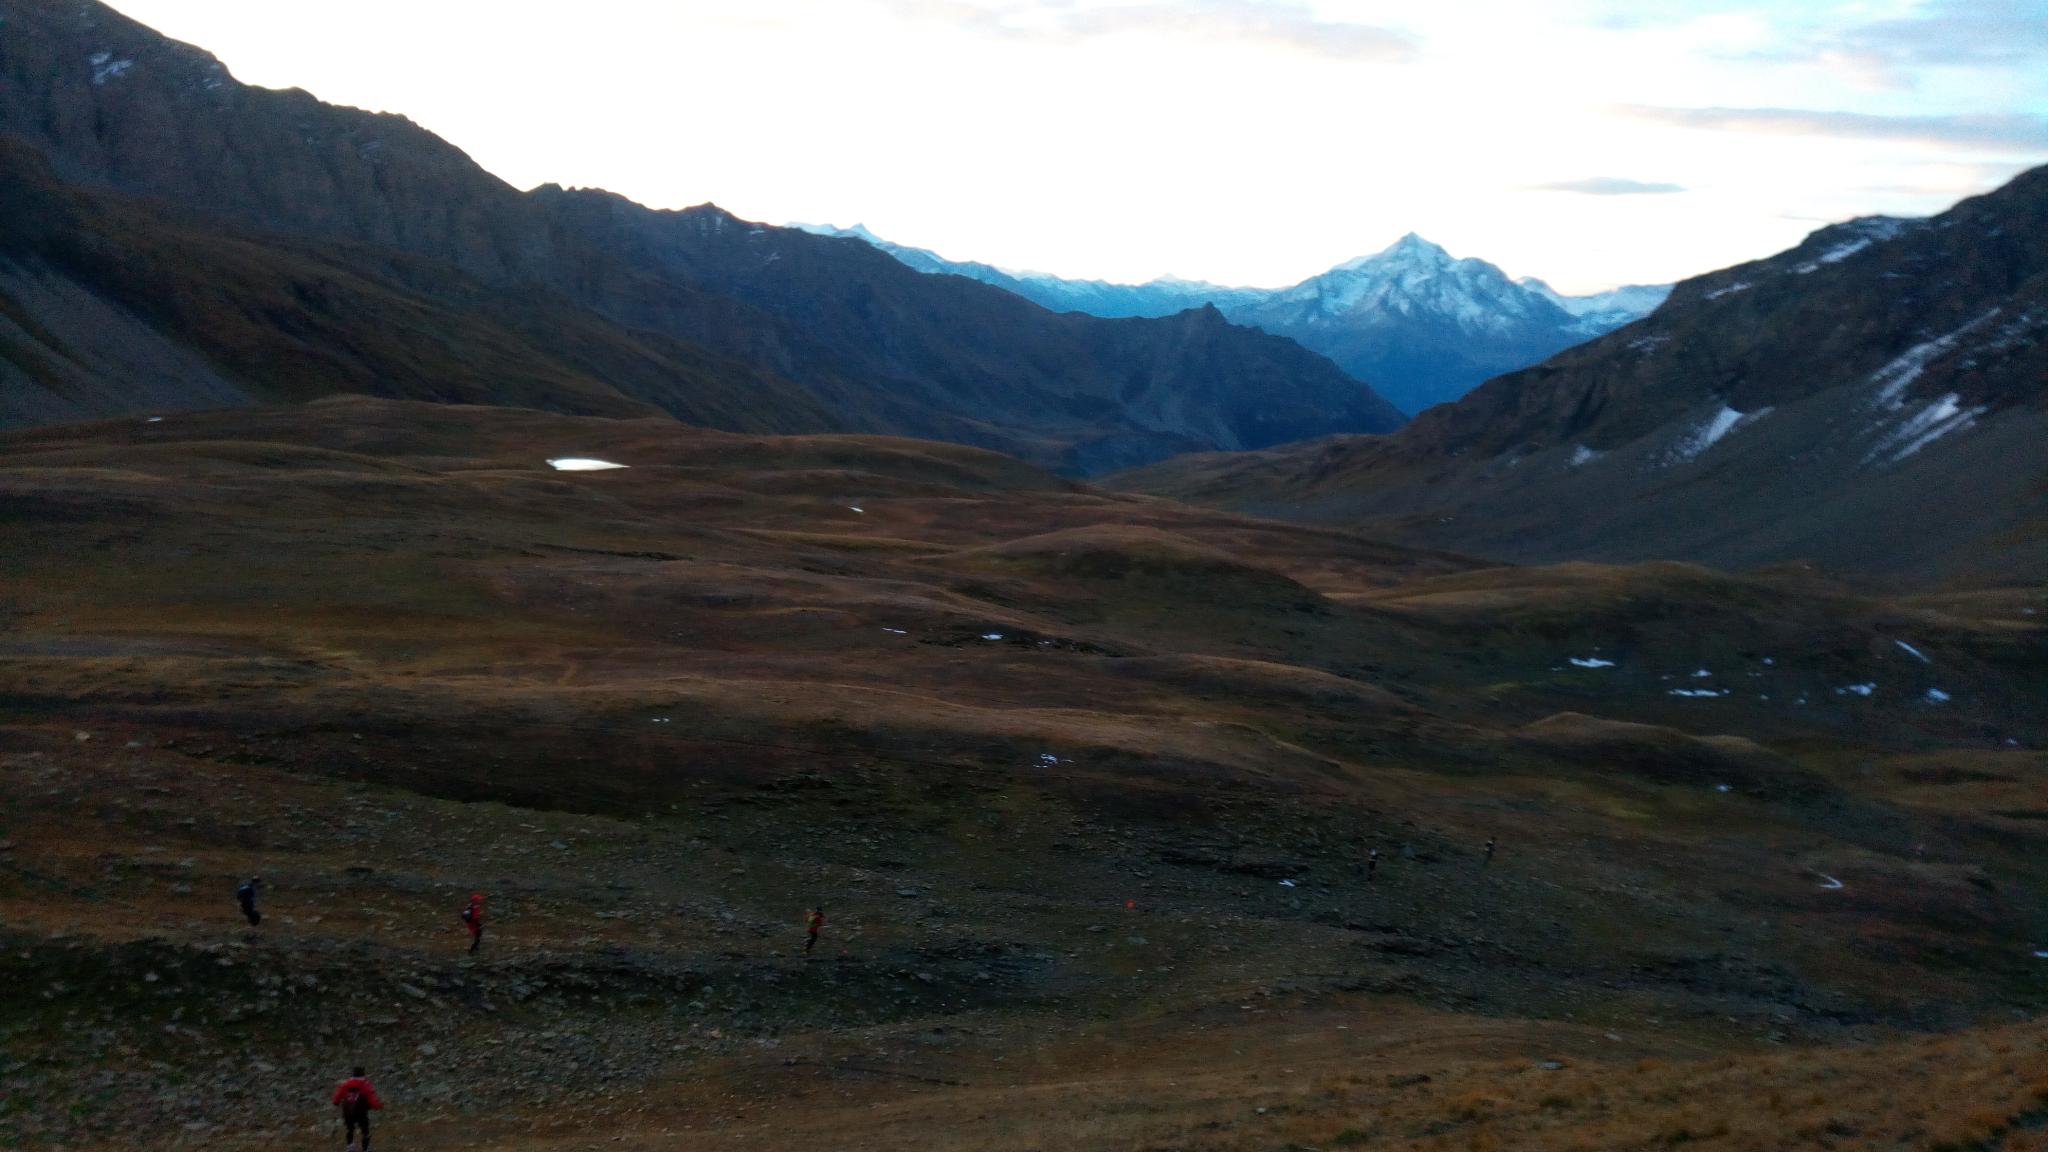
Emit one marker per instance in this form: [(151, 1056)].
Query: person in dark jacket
[(246, 897), (355, 1097)]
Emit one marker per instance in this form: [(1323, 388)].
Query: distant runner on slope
[(246, 897), (1489, 849), (1372, 864), (814, 921), (473, 919), (356, 1098)]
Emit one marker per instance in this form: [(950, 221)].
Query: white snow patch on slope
[(1582, 455), (1856, 689), (1592, 662), (1835, 255), (1698, 693), (1894, 378), (1937, 696), (1730, 290), (582, 464), (1915, 653), (1936, 420), (1709, 433), (105, 67)]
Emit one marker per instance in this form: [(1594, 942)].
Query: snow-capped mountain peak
[(1421, 325), (1413, 276)]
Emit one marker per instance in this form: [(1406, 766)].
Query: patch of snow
[(1768, 660), (1894, 378), (1915, 653), (155, 420), (855, 508), (1722, 788), (2042, 954), (991, 635), (1937, 419), (1287, 883), (896, 631), (1705, 436), (582, 464), (1937, 696), (660, 720), (1648, 344), (1582, 455), (1047, 758), (1702, 674), (1698, 693), (1856, 689), (1829, 883), (1592, 662), (105, 67), (1730, 290)]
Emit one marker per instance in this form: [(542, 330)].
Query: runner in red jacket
[(355, 1097), (473, 919)]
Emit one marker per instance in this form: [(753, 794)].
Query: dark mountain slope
[(1875, 399), (111, 304), (883, 348)]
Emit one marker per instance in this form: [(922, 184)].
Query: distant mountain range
[(1421, 325), (172, 239), (1875, 399)]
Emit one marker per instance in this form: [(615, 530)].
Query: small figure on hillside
[(246, 897), (1489, 849), (1372, 864), (473, 919), (814, 922), (356, 1098)]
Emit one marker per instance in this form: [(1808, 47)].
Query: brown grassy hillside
[(1083, 780)]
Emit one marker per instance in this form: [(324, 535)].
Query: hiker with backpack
[(814, 921), (355, 1097), (473, 919), (246, 897)]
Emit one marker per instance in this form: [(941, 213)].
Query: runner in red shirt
[(356, 1098), (814, 920), (473, 919)]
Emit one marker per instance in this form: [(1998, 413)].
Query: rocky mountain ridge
[(1424, 327), (1875, 399), (868, 345)]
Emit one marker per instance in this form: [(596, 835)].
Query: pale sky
[(1249, 142)]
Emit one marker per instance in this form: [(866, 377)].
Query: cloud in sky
[(1608, 186), (1944, 33), (2008, 131), (1272, 23)]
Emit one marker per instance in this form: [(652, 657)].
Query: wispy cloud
[(1893, 52), (1969, 33), (1608, 186), (2005, 130), (1275, 23)]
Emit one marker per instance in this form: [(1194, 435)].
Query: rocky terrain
[(289, 248), (1872, 400), (1084, 781)]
